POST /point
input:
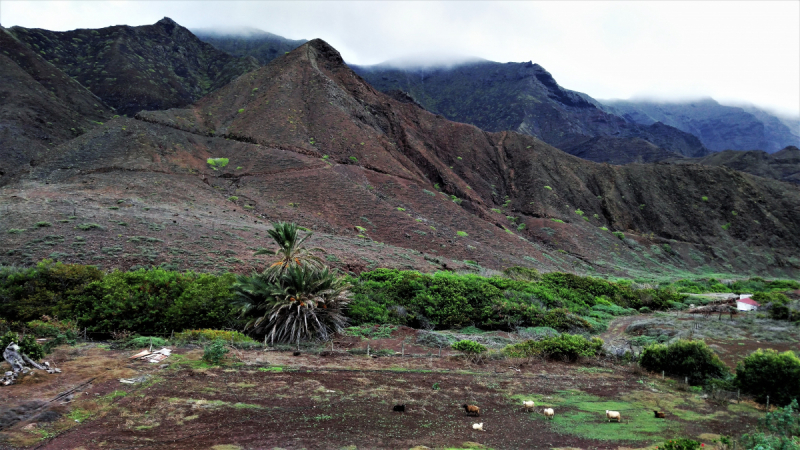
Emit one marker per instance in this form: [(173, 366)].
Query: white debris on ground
[(153, 357), (19, 364), (139, 379)]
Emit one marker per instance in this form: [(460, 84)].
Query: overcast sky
[(733, 51)]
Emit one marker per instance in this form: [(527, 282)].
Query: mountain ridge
[(133, 68)]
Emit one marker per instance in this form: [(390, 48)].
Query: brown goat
[(659, 415), (471, 410)]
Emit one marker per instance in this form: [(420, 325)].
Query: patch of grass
[(79, 415), (15, 230), (557, 220), (592, 370), (43, 224), (462, 233), (88, 226), (271, 369), (583, 414)]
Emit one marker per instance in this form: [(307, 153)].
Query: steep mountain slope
[(524, 97), (261, 45), (783, 165), (40, 107), (309, 140), (719, 127), (134, 68)]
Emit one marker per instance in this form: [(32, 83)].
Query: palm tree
[(290, 252), (304, 302)]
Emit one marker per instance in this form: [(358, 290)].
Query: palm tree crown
[(290, 251)]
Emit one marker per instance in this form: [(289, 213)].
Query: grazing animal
[(611, 415), (549, 413), (471, 410), (528, 404), (477, 426), (659, 415), (399, 408)]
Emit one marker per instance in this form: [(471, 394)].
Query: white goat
[(477, 426), (611, 415), (549, 413), (528, 404)]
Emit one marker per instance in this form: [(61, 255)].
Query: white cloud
[(745, 51)]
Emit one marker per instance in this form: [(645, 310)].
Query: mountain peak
[(168, 25), (325, 51)]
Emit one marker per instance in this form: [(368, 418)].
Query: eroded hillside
[(310, 141)]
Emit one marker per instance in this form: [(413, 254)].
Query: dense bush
[(680, 444), (27, 345), (684, 358), (28, 294), (144, 342), (469, 347), (569, 346), (751, 285), (154, 301), (779, 430), (447, 300), (210, 335), (777, 304), (215, 352), (767, 372)]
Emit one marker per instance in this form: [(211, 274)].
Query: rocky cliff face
[(524, 97), (719, 127), (138, 68)]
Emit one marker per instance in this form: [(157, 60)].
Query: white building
[(747, 304)]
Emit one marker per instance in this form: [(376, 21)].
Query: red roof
[(749, 301)]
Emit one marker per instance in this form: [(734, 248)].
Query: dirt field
[(270, 399)]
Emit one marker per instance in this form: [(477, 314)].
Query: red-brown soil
[(407, 165), (319, 402)]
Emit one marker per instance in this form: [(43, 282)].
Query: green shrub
[(778, 430), (145, 341), (680, 444), (215, 352), (469, 347), (619, 234), (769, 373), (210, 335), (779, 304), (154, 301), (644, 310), (27, 345), (28, 294), (684, 358), (519, 273), (569, 346)]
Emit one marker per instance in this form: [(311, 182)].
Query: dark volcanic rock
[(134, 68), (524, 97)]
